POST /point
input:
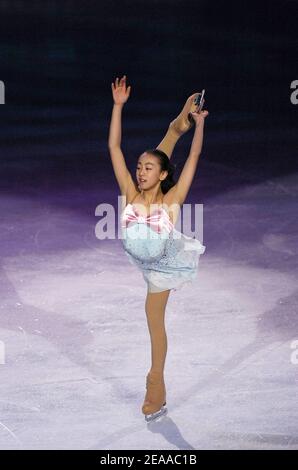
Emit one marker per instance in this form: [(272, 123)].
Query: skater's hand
[(119, 90), (199, 116)]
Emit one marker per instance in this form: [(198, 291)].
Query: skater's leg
[(155, 311), (178, 127), (155, 398), (169, 141)]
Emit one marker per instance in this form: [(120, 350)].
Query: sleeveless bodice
[(145, 237)]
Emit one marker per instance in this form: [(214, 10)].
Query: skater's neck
[(151, 196)]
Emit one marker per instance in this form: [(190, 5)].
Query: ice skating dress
[(167, 258)]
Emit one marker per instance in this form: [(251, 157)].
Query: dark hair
[(165, 165)]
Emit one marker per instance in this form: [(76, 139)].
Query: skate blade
[(196, 106), (156, 415)]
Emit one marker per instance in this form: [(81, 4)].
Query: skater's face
[(148, 171)]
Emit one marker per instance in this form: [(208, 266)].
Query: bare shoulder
[(173, 203), (131, 190), (171, 197)]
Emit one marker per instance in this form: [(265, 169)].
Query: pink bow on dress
[(155, 220)]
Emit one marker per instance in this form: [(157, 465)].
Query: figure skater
[(150, 240)]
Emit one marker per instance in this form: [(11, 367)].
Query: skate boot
[(184, 121), (155, 399)]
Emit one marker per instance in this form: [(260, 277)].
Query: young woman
[(167, 258)]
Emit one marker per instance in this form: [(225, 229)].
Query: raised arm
[(120, 96), (183, 184)]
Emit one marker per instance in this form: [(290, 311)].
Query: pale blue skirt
[(166, 260)]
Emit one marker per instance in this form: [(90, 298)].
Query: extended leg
[(178, 127), (169, 141)]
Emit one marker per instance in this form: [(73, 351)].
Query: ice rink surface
[(75, 348)]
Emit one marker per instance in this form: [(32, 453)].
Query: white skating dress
[(167, 258)]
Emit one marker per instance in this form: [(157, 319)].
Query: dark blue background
[(58, 60)]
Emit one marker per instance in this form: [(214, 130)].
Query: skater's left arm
[(189, 169)]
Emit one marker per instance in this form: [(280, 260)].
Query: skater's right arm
[(120, 96)]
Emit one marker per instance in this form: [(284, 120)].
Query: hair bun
[(171, 169)]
